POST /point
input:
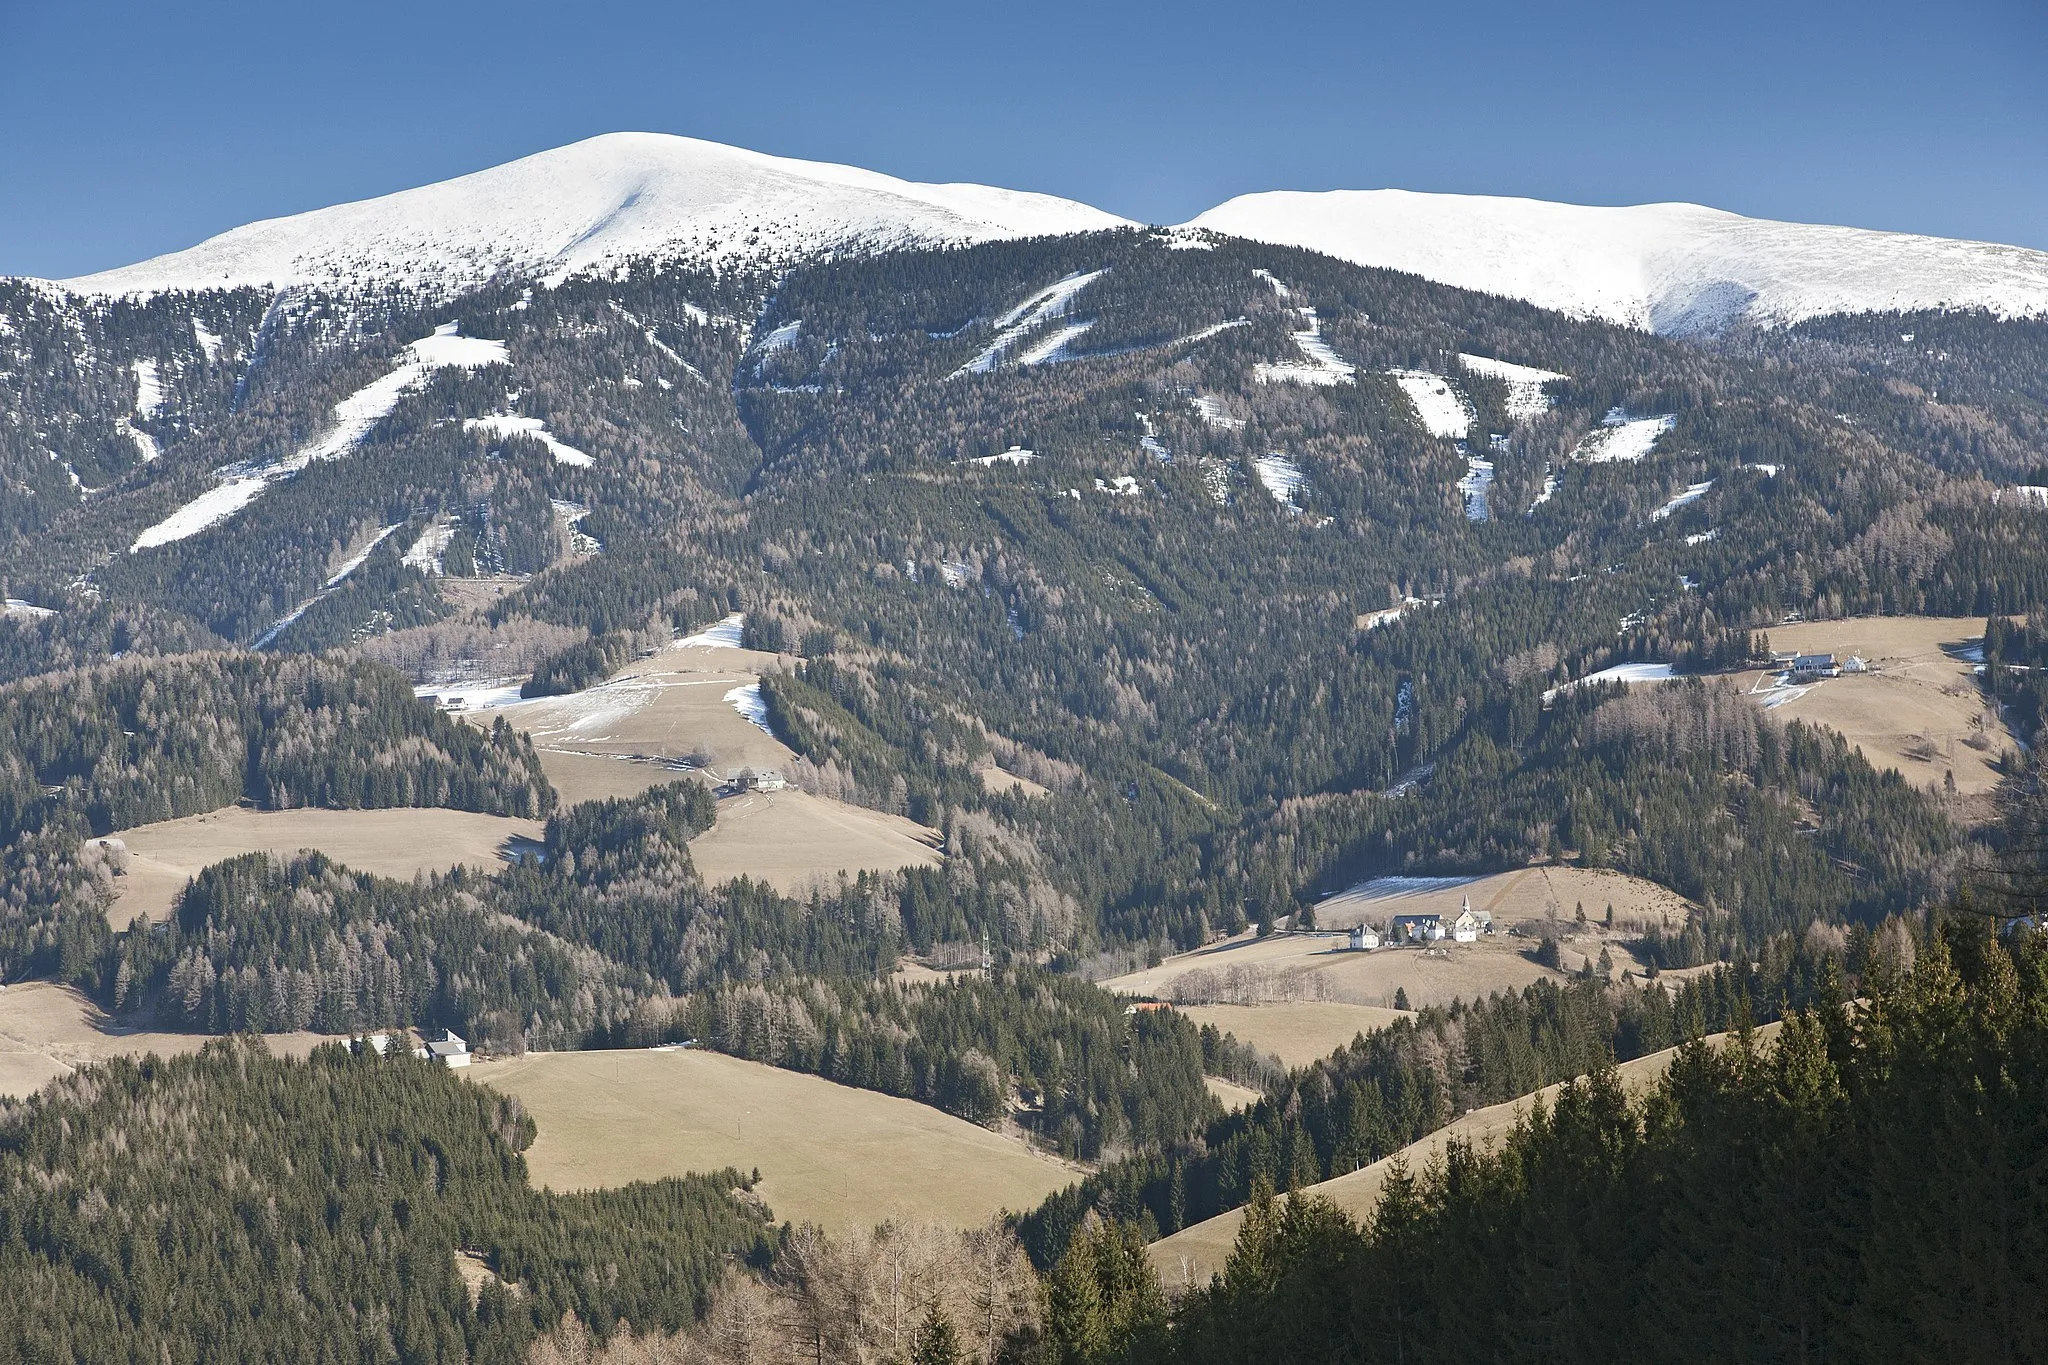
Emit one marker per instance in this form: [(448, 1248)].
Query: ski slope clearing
[(1526, 398), (354, 416), (1189, 1257), (48, 1030), (1477, 489), (829, 1154), (1673, 268), (1444, 412), (533, 429), (1621, 673), (1283, 478), (390, 843), (595, 204), (1622, 439), (1054, 301), (1919, 710), (1319, 365), (1692, 494)]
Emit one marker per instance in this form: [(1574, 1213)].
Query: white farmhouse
[(1363, 939)]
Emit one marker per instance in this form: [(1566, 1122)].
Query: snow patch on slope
[(354, 416), (1526, 398), (1282, 477), (1621, 438), (502, 424), (1443, 411)]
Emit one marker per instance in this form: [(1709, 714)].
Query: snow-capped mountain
[(1664, 267), (607, 199), (1671, 268)]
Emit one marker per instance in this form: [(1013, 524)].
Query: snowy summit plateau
[(1672, 268)]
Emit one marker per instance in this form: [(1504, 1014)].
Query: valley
[(879, 705)]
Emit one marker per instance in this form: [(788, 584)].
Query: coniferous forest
[(1242, 640)]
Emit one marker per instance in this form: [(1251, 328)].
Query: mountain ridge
[(1672, 268)]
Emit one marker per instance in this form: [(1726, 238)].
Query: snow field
[(748, 701), (1526, 398), (502, 424), (354, 416), (1052, 302), (1443, 410), (1626, 673), (1621, 438), (1282, 477), (1477, 486), (723, 634), (1319, 364), (1692, 494)]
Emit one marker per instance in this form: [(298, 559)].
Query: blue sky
[(127, 130)]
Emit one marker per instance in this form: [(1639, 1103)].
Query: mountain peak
[(1663, 267), (608, 198)]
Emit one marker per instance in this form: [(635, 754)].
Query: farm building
[(1363, 939), (759, 780), (1812, 666), (450, 1050), (1853, 664), (1417, 928)]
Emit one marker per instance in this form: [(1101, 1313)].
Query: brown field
[(1230, 1094), (1297, 1032), (617, 738), (1312, 966), (1192, 1255), (793, 840), (390, 843), (1919, 708), (828, 1154), (47, 1030), (1003, 780), (577, 778)]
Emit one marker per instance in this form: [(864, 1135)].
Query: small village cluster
[(1424, 927)]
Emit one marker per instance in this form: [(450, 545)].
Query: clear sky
[(130, 129)]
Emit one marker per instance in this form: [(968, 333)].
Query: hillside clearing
[(48, 1030), (1190, 1256), (1292, 968), (792, 841), (1297, 1032), (1919, 711), (845, 1159), (396, 842)]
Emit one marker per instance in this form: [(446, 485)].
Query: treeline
[(1688, 785), (1385, 1090), (95, 750), (129, 744), (235, 1206), (1867, 1188), (267, 946), (2016, 670), (1058, 1055)]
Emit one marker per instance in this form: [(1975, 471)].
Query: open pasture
[(792, 841), (1920, 710), (48, 1030), (397, 842), (1289, 968), (828, 1154), (1297, 1032)]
